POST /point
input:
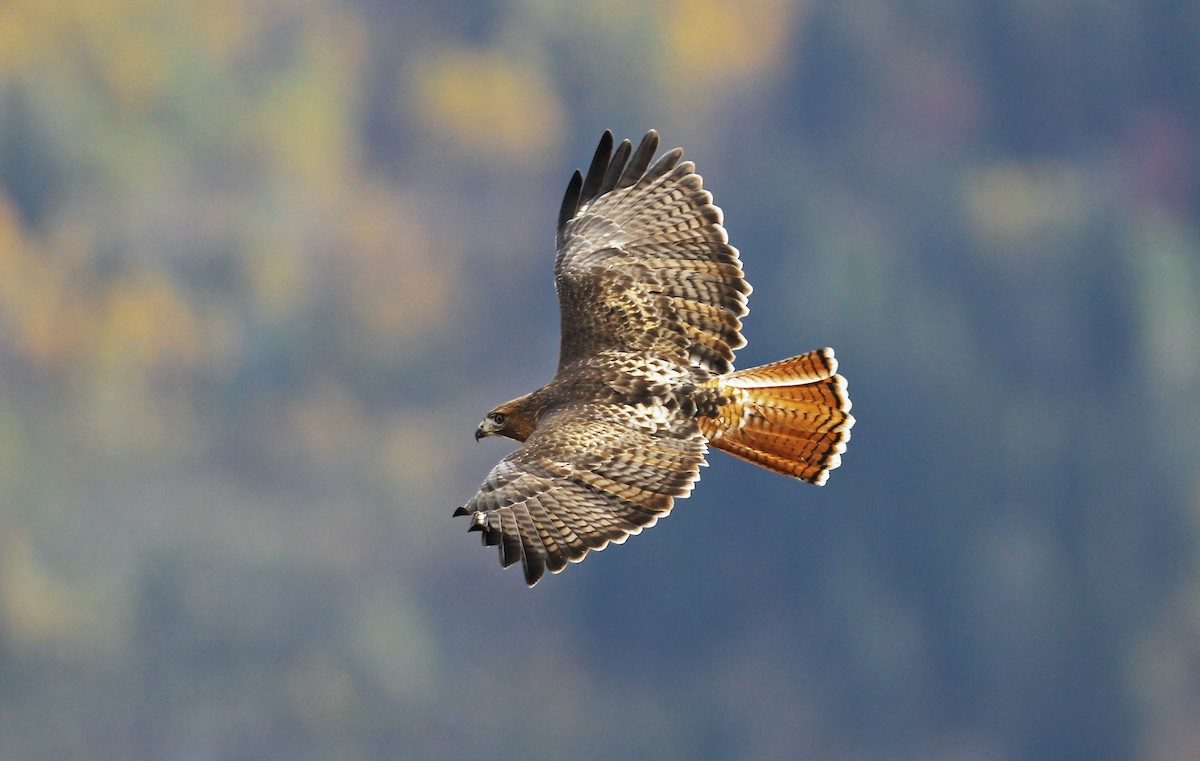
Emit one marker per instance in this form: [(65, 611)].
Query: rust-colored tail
[(791, 416)]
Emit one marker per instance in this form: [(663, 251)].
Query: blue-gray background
[(264, 266)]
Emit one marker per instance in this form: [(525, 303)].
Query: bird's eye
[(498, 418)]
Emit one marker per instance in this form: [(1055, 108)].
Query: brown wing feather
[(582, 480), (644, 264)]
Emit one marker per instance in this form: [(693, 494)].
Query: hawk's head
[(514, 420)]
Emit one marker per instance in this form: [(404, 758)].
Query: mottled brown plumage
[(650, 295)]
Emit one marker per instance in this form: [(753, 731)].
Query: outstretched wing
[(644, 264), (582, 480)]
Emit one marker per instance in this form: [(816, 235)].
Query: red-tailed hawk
[(649, 293)]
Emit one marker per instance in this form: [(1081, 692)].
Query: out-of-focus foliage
[(264, 265)]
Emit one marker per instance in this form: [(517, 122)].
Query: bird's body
[(650, 296)]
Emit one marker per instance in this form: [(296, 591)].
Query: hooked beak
[(486, 428)]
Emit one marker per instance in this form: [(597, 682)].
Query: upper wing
[(644, 264), (582, 480)]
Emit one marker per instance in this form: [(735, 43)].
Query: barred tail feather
[(795, 371), (792, 416)]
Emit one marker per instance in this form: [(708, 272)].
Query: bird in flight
[(650, 294)]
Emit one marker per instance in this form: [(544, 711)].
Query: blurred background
[(265, 265)]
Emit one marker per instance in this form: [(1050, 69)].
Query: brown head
[(515, 420)]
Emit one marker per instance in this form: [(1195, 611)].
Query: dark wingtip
[(615, 167), (493, 536), (534, 568), (460, 511), (666, 162), (570, 202), (510, 551), (641, 160), (609, 172), (598, 168)]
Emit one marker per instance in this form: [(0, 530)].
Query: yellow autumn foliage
[(303, 120), (42, 609), (143, 320), (398, 279), (46, 321), (1014, 208), (710, 46), (493, 104)]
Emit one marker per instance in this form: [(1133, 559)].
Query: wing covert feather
[(582, 480)]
